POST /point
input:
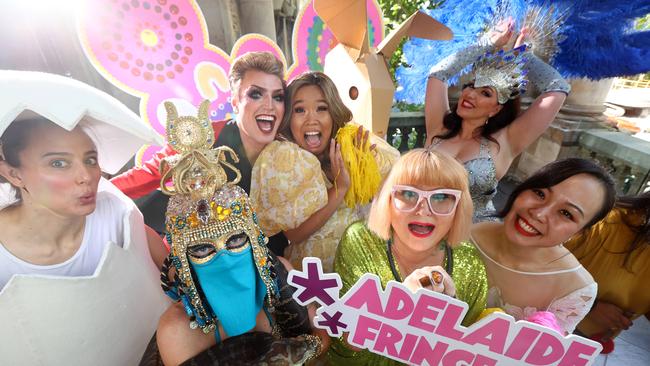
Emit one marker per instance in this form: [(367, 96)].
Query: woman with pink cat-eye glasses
[(415, 234)]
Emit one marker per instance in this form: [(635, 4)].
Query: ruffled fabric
[(287, 186), (569, 310)]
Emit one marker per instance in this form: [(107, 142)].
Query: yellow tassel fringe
[(365, 179)]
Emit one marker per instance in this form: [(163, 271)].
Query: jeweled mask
[(207, 216)]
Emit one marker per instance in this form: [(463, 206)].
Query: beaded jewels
[(504, 71), (205, 209), (198, 169)]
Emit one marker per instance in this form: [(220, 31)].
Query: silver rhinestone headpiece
[(504, 71)]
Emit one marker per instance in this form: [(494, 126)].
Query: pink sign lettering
[(424, 328)]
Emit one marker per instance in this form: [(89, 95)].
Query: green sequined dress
[(361, 251)]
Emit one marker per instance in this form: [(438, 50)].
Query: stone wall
[(582, 111), (626, 157)]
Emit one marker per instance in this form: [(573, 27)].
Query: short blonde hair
[(259, 60), (425, 167)]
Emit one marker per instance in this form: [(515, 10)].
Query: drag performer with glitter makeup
[(234, 304), (257, 86), (415, 234), (485, 131)]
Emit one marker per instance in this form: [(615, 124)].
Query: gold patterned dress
[(361, 251), (288, 185)]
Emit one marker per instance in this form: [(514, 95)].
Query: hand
[(338, 170), (610, 316), (433, 278), (522, 37), (361, 140), (501, 33)]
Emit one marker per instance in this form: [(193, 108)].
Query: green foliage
[(395, 12), (407, 107)]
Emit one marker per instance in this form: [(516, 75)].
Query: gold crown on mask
[(205, 206), (504, 71), (197, 170)]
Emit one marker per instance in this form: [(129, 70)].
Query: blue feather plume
[(600, 41), (468, 19)]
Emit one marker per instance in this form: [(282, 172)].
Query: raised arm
[(436, 101), (436, 105), (524, 130)]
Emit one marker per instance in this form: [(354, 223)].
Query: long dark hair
[(639, 204), (560, 170), (453, 122)]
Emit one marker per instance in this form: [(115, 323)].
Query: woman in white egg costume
[(79, 281)]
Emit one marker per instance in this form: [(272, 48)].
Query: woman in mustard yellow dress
[(616, 251), (319, 181)]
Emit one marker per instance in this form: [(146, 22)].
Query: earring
[(235, 110)]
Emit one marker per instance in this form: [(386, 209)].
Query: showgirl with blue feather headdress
[(485, 130), (567, 34)]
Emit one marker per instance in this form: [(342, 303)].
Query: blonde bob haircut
[(424, 168)]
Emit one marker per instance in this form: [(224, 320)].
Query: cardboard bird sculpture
[(361, 72)]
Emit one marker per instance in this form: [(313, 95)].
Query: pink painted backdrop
[(158, 50)]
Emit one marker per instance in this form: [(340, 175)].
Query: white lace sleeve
[(572, 308)]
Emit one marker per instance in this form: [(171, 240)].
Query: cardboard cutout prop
[(65, 101), (360, 72), (104, 319), (312, 39), (423, 328)]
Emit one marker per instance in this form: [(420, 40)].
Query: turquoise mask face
[(231, 284)]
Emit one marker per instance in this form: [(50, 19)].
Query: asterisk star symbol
[(314, 284), (333, 323)]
